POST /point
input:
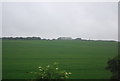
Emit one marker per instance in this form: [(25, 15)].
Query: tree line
[(38, 38), (21, 38)]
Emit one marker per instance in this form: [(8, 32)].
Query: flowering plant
[(51, 72)]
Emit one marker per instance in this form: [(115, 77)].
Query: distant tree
[(21, 38), (28, 38), (35, 38), (64, 38), (16, 38), (59, 38), (53, 39), (113, 66), (48, 39), (78, 39), (44, 39)]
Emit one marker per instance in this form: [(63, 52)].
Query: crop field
[(84, 59)]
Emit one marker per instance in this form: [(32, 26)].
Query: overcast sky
[(94, 20)]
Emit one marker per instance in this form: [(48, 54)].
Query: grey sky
[(51, 20)]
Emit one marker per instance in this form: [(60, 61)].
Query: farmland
[(85, 59)]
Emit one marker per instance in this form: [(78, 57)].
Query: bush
[(113, 66), (51, 72)]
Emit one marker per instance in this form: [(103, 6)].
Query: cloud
[(51, 20)]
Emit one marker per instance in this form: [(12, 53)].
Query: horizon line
[(64, 36)]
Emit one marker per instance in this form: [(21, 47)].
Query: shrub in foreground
[(113, 66), (51, 72)]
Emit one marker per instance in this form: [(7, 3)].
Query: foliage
[(51, 72), (113, 66)]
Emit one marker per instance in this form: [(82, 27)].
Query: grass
[(85, 59)]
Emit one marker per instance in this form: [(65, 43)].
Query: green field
[(85, 59)]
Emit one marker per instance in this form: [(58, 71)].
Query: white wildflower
[(66, 73), (39, 67), (66, 76), (69, 73), (56, 68)]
